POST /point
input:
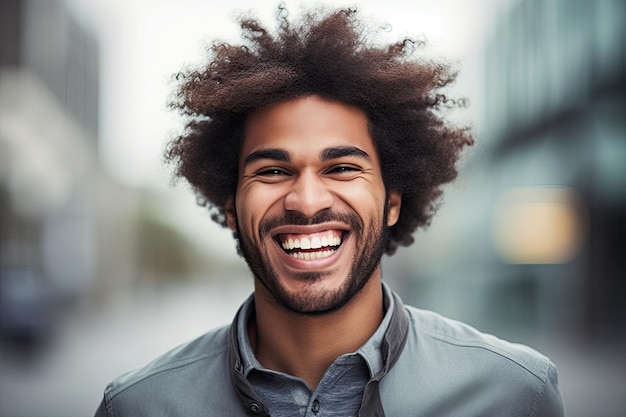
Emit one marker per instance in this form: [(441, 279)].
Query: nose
[(309, 195)]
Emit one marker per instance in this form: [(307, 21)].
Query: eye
[(271, 172), (343, 169)]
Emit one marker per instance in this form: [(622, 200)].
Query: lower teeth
[(307, 256)]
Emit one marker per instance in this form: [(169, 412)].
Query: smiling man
[(322, 150)]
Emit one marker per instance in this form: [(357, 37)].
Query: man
[(321, 151)]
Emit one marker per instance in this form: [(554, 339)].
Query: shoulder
[(204, 348), (187, 375), (443, 333), (457, 368)]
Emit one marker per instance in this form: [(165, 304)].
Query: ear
[(231, 215), (393, 207)]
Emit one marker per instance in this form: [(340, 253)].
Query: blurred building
[(64, 225), (531, 244), (556, 106)]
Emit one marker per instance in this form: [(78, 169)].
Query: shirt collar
[(248, 359), (393, 344), (370, 351)]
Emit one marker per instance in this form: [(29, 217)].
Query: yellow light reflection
[(538, 225)]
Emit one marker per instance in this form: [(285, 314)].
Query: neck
[(305, 346)]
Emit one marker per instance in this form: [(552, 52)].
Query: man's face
[(311, 209)]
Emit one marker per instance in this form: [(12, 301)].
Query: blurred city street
[(104, 265), (93, 347)]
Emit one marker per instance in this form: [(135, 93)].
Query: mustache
[(294, 218)]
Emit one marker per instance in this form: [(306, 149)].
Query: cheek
[(365, 199), (255, 204)]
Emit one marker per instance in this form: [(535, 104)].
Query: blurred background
[(104, 263)]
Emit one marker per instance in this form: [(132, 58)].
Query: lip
[(310, 229)]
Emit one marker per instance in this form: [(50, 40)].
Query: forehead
[(306, 126)]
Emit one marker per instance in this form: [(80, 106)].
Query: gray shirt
[(340, 391), (431, 366)]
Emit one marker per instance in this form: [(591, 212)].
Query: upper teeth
[(315, 242)]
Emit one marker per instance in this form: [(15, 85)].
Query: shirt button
[(315, 407), (254, 408)]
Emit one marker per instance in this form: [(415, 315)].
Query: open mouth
[(311, 246)]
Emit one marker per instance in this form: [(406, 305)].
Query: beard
[(372, 242)]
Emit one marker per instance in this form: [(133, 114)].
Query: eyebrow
[(274, 154), (326, 155), (343, 151)]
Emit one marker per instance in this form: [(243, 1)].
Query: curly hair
[(329, 54)]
